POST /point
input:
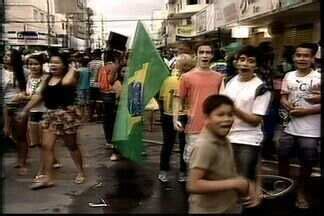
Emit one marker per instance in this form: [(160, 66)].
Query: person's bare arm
[(198, 185), (314, 98), (284, 102), (71, 78), (300, 112), (35, 99), (249, 118)]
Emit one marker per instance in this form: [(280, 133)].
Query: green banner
[(146, 73)]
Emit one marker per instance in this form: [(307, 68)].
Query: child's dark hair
[(64, 56), (84, 60), (204, 44), (17, 66), (249, 51), (37, 57), (111, 56), (313, 47), (214, 101)]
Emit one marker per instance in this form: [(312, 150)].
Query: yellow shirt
[(169, 90)]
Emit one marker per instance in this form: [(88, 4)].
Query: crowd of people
[(47, 95), (225, 114), (231, 117)]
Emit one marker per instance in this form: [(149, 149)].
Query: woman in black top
[(58, 93)]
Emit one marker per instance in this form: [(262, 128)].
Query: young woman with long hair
[(58, 92), (14, 85), (35, 64)]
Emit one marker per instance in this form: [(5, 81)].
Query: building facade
[(283, 22), (78, 22), (30, 23)]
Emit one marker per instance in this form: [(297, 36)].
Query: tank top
[(31, 88), (59, 96)]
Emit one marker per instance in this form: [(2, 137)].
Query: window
[(209, 1), (52, 20), (35, 14), (192, 2), (63, 25), (80, 3), (42, 17)]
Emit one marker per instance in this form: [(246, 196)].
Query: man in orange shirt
[(195, 86)]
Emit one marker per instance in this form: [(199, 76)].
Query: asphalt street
[(118, 187)]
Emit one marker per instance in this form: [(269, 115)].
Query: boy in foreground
[(213, 183)]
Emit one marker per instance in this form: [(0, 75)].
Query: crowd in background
[(48, 95)]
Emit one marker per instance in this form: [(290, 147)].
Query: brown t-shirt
[(215, 156)]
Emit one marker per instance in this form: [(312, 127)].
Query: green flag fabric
[(145, 75)]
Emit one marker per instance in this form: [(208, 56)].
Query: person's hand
[(242, 186), (6, 131), (288, 106), (178, 126), (314, 98), (21, 116), (254, 196)]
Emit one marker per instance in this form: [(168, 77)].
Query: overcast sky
[(121, 10)]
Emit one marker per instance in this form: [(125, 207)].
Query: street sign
[(27, 35)]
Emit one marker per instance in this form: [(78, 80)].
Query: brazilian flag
[(145, 75)]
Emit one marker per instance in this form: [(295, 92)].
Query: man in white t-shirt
[(303, 130), (251, 99)]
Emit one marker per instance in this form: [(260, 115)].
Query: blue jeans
[(246, 158)]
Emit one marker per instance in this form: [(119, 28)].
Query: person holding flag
[(146, 73)]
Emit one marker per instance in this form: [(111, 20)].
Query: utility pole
[(102, 32), (89, 25), (67, 31), (88, 28), (25, 41), (48, 26)]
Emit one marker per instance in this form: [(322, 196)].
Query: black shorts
[(94, 94), (35, 116)]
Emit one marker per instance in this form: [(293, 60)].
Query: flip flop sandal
[(41, 184), (79, 179), (57, 165), (37, 178), (302, 204)]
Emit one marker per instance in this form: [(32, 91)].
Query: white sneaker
[(109, 146), (114, 157), (181, 177), (163, 176)]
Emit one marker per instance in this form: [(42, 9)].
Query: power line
[(117, 20)]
